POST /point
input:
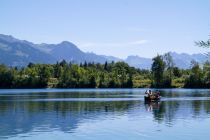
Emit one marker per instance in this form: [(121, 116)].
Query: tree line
[(163, 74), (166, 75)]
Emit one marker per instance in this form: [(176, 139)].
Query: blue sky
[(111, 27)]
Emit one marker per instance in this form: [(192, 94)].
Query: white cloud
[(113, 44)]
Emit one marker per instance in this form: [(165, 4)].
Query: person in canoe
[(149, 93), (152, 95), (157, 94)]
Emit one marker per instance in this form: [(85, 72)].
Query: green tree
[(206, 71), (105, 66), (44, 75), (177, 72), (130, 81), (158, 67), (169, 68), (6, 77), (92, 83), (195, 78)]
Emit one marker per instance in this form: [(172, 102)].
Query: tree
[(177, 72), (195, 78), (6, 77), (117, 75), (205, 44), (158, 67), (63, 63), (85, 64), (30, 65), (206, 71), (169, 65), (44, 75), (57, 70), (130, 81), (105, 66), (92, 83), (103, 80)]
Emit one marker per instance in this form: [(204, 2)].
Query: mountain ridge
[(15, 52)]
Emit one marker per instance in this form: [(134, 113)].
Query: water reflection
[(22, 113), (152, 106)]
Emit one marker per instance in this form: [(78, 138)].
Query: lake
[(104, 114)]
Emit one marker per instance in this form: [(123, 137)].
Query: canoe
[(151, 99)]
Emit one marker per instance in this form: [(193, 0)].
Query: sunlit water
[(107, 114)]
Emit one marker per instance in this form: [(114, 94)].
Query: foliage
[(195, 78), (108, 75), (158, 67), (205, 44), (64, 75)]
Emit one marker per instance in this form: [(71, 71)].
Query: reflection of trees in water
[(169, 111), (163, 111), (197, 106), (206, 105), (200, 107), (175, 93), (166, 112), (18, 117)]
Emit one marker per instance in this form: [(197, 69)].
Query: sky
[(110, 27)]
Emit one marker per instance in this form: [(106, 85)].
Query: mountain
[(139, 62), (182, 60), (70, 52), (15, 52)]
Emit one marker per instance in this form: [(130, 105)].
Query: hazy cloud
[(113, 44)]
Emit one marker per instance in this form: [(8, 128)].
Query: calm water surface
[(108, 114)]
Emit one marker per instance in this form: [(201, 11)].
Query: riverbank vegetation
[(163, 74)]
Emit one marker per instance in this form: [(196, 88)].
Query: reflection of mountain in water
[(21, 117)]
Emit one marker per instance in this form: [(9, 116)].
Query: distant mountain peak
[(15, 52), (66, 43), (8, 38), (11, 39)]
